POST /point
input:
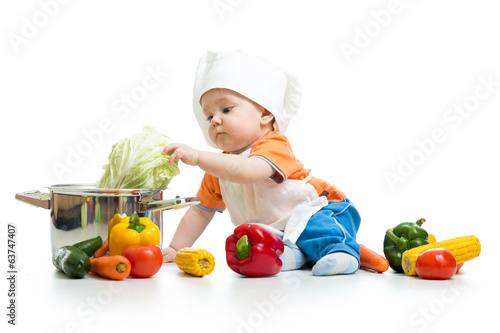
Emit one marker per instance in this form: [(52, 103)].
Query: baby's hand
[(168, 254), (181, 152)]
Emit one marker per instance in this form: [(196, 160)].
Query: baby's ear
[(268, 118)]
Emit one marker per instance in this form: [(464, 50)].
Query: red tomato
[(145, 260), (436, 264)]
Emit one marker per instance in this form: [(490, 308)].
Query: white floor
[(223, 301)]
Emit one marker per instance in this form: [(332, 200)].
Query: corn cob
[(463, 249), (197, 262)]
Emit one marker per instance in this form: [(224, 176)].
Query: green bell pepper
[(403, 237)]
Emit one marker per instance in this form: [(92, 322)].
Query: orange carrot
[(372, 260), (102, 250), (114, 267)]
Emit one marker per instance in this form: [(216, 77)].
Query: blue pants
[(332, 229)]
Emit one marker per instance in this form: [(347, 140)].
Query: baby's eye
[(226, 110), (209, 118)]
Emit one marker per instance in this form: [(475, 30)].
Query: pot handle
[(35, 198), (176, 203)]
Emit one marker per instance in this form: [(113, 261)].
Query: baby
[(243, 105)]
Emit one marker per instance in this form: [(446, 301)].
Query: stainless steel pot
[(82, 211)]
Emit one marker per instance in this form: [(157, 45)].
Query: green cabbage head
[(137, 163)]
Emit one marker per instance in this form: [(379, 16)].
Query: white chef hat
[(253, 77)]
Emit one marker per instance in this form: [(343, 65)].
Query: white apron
[(284, 208)]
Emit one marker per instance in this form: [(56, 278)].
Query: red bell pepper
[(253, 251)]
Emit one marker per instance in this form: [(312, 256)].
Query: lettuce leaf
[(137, 163)]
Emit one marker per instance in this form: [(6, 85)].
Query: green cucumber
[(89, 246), (72, 261)]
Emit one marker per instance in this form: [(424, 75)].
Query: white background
[(66, 69)]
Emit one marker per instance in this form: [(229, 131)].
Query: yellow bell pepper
[(431, 239), (117, 218), (133, 231)]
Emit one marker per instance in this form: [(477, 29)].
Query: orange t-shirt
[(275, 149)]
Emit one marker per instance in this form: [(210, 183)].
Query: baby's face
[(234, 121)]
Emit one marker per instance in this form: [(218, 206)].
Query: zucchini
[(72, 261), (89, 246)]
